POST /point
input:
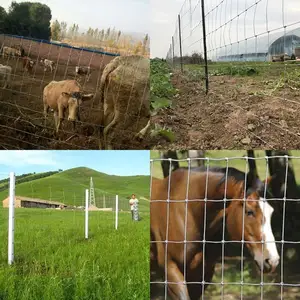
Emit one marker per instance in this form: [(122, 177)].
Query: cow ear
[(86, 97), (66, 94)]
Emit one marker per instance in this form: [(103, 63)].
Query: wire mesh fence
[(253, 52), (27, 108), (226, 230)]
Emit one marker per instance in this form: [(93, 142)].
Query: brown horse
[(181, 229)]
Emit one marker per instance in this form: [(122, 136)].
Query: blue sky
[(126, 15), (110, 162)]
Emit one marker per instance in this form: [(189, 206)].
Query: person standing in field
[(132, 201)]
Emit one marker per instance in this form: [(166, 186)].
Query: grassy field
[(53, 260), (69, 187), (236, 163)]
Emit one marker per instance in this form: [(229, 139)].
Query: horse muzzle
[(268, 265)]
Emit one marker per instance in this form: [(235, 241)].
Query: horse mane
[(233, 173)]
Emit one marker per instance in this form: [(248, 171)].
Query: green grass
[(161, 88), (236, 163), (264, 70), (69, 187), (53, 260)]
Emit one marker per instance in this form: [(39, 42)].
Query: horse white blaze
[(270, 249)]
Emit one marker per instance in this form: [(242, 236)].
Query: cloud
[(27, 157)]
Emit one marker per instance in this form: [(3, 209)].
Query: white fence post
[(11, 218), (117, 210), (86, 213)]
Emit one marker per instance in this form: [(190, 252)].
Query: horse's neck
[(215, 221)]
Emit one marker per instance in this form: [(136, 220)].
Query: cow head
[(75, 99)]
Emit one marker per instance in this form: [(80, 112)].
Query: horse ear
[(240, 190), (265, 184)]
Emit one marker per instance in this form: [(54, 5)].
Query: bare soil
[(237, 113)]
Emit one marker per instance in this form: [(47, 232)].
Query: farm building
[(33, 203), (262, 48)]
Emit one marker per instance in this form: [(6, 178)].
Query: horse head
[(248, 220)]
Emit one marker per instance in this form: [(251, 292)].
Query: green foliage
[(53, 261), (161, 88), (27, 19), (56, 31), (235, 70), (25, 178)]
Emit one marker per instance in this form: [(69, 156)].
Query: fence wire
[(252, 65), (257, 231), (237, 30), (23, 124)]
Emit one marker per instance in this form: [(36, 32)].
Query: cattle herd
[(122, 95)]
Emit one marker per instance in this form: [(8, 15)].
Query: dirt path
[(236, 114)]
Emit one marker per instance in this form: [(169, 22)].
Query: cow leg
[(178, 290), (58, 121), (143, 132), (108, 127), (46, 109)]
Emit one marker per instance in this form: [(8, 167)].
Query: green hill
[(69, 187)]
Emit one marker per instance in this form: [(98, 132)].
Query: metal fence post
[(180, 45), (117, 212), (86, 213), (204, 46), (11, 218), (173, 52)]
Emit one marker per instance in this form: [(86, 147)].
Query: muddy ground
[(22, 120), (238, 113)]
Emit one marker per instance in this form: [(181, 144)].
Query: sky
[(254, 19), (122, 163), (129, 15), (162, 25)]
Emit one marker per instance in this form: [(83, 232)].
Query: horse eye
[(250, 213)]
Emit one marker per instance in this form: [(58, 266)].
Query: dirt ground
[(238, 113), (22, 120)]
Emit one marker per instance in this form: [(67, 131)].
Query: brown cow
[(63, 95), (181, 226), (28, 64)]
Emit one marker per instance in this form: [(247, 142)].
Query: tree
[(29, 19), (63, 29), (102, 33), (145, 43), (3, 20), (119, 35), (107, 34), (56, 31)]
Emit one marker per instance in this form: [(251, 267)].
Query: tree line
[(26, 178), (34, 20), (26, 19), (110, 37)]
